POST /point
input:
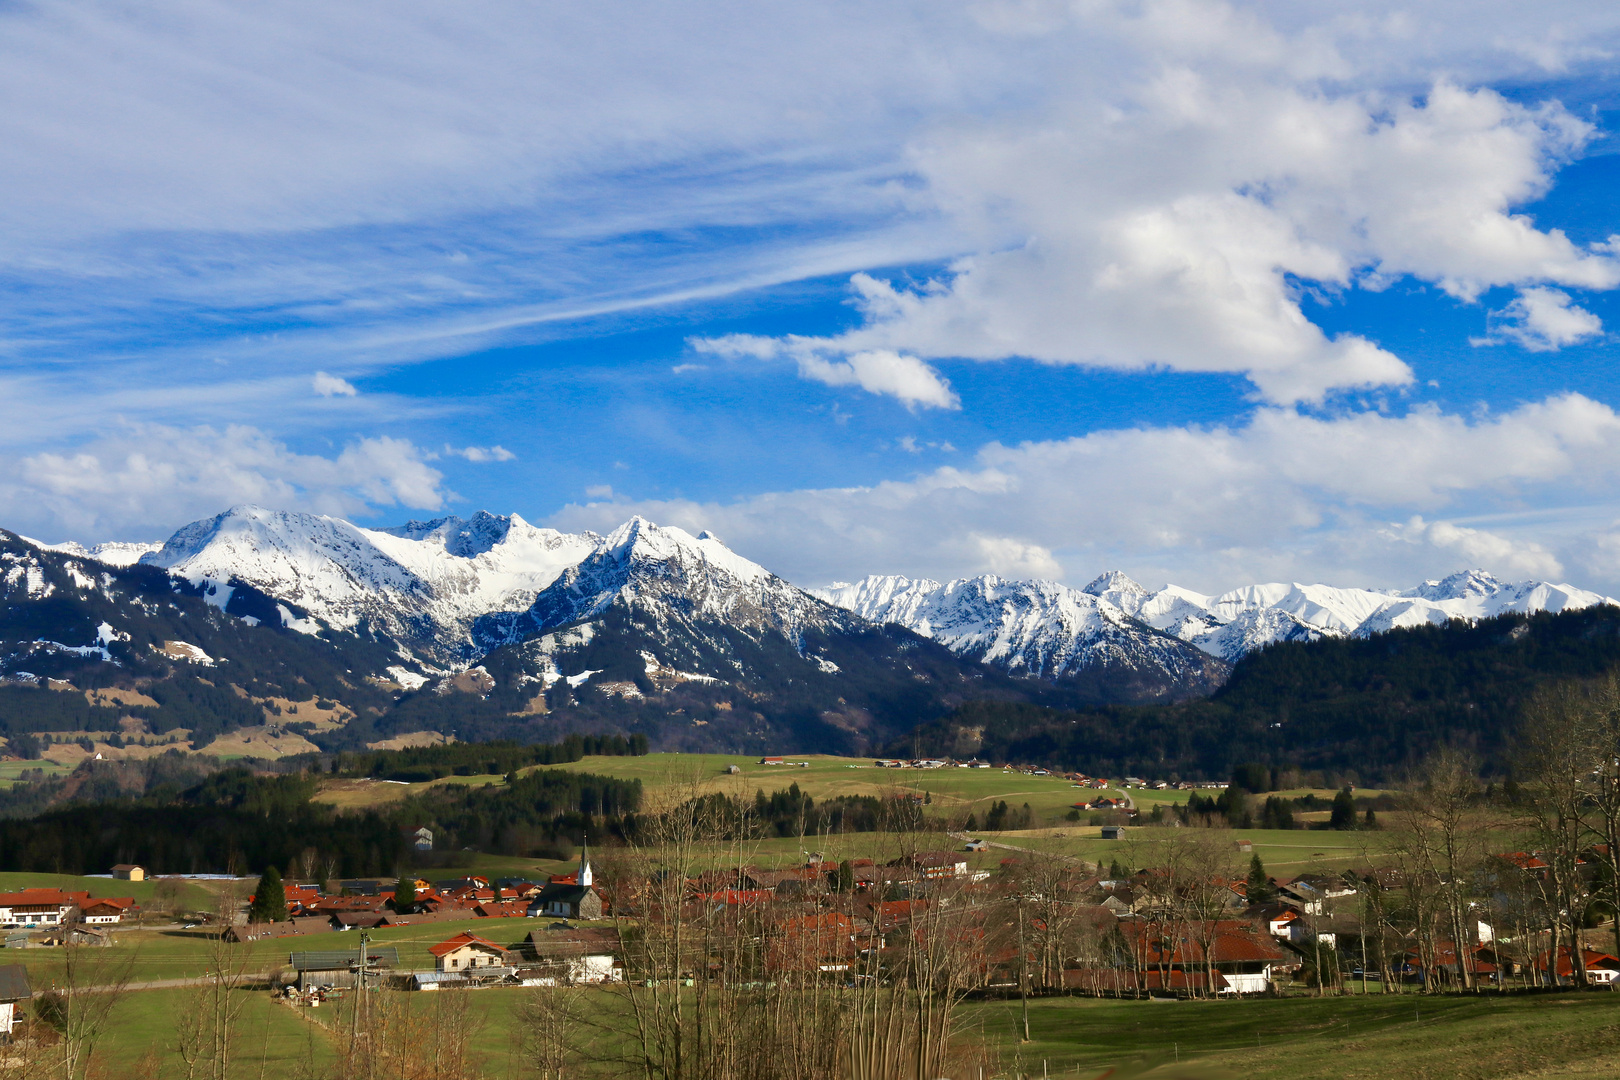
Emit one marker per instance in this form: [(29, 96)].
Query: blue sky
[(1212, 293)]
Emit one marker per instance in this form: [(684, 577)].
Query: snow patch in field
[(579, 680), (77, 650), (293, 622), (410, 680), (185, 650), (215, 594)]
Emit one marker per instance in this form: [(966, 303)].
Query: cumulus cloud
[(149, 478), (1171, 228), (1477, 547), (1286, 495), (1542, 320), (330, 385)]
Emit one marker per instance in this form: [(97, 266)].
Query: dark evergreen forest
[(1364, 709)]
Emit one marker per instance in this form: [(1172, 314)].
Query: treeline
[(794, 813), (1358, 710), (422, 763), (236, 820)]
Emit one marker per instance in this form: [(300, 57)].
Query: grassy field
[(194, 895), (1570, 1036)]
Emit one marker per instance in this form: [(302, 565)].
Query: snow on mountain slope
[(1044, 628), (423, 583), (669, 580), (1038, 628), (113, 553), (1249, 618)]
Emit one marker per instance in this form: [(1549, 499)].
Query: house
[(1247, 961), (13, 991), (824, 941), (420, 839), (1113, 832), (770, 761), (976, 845), (101, 910), (1303, 895), (927, 866), (1601, 968), (1280, 922), (39, 907), (467, 951), (129, 872), (575, 955)]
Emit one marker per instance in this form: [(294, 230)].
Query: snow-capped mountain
[(113, 552), (1047, 628), (667, 579), (423, 584), (1038, 628)]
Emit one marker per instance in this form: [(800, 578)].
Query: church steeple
[(585, 861)]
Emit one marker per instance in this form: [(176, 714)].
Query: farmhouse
[(575, 955), (129, 872), (108, 909), (467, 951), (39, 907)]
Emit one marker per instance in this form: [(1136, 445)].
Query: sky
[(1212, 293)]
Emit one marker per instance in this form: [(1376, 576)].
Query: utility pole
[(359, 992), (1023, 967)]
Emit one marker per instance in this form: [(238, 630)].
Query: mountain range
[(1044, 628), (492, 627)]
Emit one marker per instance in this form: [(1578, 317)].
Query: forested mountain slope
[(1354, 707)]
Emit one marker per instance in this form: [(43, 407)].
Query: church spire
[(585, 861)]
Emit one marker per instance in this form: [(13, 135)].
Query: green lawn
[(1486, 1037), (1481, 1038), (272, 1039)]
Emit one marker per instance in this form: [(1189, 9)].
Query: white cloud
[(330, 385), (149, 478), (1543, 320), (1287, 496), (1476, 547), (480, 454), (1169, 229), (877, 371), (1016, 559)]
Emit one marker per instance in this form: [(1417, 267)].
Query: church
[(571, 896)]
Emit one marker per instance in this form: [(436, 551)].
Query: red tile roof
[(461, 941)]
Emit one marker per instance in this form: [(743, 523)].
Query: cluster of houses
[(365, 903), (51, 916)]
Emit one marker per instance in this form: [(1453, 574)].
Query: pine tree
[(1258, 886), (846, 877), (1343, 816), (971, 825), (269, 899), (405, 894)]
